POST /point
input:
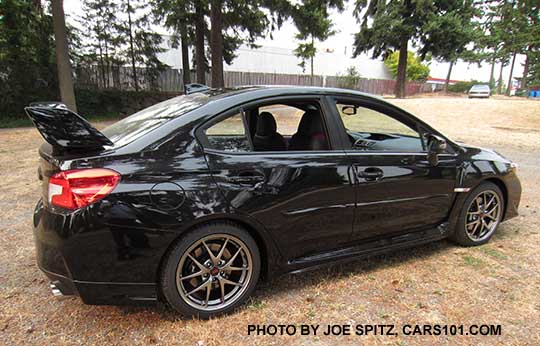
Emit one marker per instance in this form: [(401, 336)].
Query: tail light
[(81, 187)]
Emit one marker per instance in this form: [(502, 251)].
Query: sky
[(341, 43)]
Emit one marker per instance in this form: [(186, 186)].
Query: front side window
[(228, 135), (369, 129)]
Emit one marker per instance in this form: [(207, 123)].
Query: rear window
[(148, 119)]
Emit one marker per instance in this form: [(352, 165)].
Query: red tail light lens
[(81, 187)]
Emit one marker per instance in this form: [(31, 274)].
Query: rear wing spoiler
[(63, 128)]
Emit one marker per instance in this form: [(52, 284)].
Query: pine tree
[(65, 76), (102, 39), (386, 26), (27, 57), (449, 30), (530, 10), (143, 45), (233, 23), (178, 15), (390, 25), (312, 21)]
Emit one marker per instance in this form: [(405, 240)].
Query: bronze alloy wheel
[(483, 215), (214, 272)]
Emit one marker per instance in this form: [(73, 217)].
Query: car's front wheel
[(481, 215), (211, 270)]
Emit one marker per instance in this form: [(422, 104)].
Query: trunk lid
[(65, 129), (68, 137)]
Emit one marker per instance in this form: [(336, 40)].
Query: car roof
[(284, 89)]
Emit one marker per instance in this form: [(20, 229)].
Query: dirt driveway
[(498, 283)]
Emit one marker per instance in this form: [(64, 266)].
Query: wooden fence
[(170, 80)]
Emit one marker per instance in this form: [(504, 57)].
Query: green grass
[(493, 253), (472, 261), (256, 304)]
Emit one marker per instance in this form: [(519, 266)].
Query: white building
[(271, 59)]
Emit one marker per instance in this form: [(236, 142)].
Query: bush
[(92, 104), (463, 87), (111, 103), (349, 79), (416, 70)]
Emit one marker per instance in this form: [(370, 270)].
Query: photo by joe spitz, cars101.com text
[(195, 200)]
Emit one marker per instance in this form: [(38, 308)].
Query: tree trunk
[(186, 71), (131, 49), (200, 28), (525, 70), (499, 84), (492, 72), (102, 64), (447, 81), (402, 69), (108, 65), (509, 87), (216, 43), (65, 78), (311, 60)]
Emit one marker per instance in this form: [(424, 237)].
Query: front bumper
[(475, 94), (513, 187)]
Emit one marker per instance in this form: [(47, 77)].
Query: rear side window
[(228, 135), (297, 125), (287, 117), (148, 119)]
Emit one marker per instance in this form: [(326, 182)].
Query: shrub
[(349, 79), (463, 87), (416, 70), (106, 103), (93, 104)]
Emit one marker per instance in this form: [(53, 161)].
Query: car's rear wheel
[(211, 271), (481, 215)]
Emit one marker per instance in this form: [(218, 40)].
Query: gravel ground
[(498, 283)]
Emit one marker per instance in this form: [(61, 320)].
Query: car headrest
[(311, 123), (266, 124)]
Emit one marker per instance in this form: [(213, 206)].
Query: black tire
[(168, 281), (461, 236)]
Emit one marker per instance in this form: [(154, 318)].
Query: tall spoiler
[(62, 128)]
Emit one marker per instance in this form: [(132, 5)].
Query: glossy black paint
[(65, 129), (304, 209)]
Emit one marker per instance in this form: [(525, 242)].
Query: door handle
[(371, 174), (247, 178)]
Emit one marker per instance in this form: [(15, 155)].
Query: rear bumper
[(101, 293), (60, 285), (75, 264)]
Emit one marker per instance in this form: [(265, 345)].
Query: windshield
[(148, 119), (480, 87)]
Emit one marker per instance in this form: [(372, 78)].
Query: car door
[(397, 190), (304, 198)]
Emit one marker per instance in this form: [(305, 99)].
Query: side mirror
[(436, 146), (349, 110)]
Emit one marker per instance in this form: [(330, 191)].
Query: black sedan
[(193, 200)]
